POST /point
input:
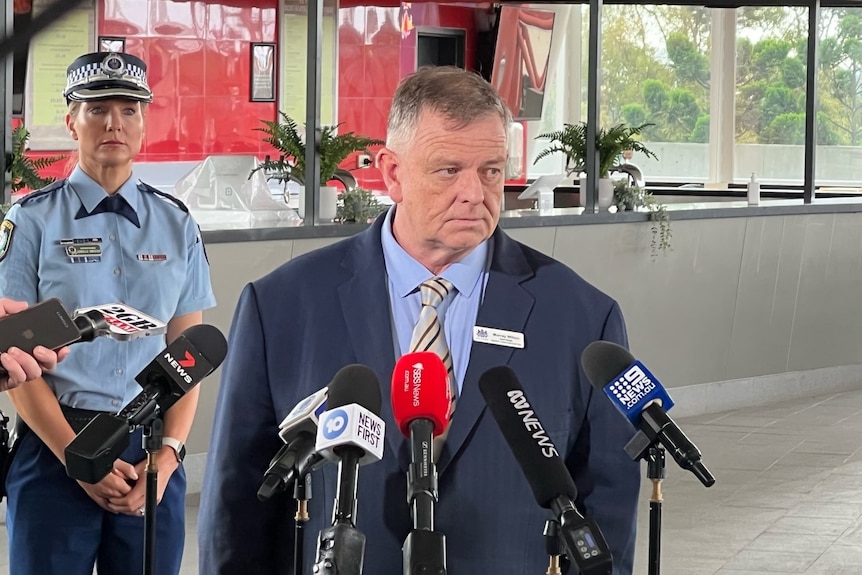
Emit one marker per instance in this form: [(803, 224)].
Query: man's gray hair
[(459, 96)]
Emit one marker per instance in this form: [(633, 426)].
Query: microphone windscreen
[(357, 384), (209, 341), (603, 361), (533, 449), (420, 390)]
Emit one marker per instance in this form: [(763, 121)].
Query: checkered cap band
[(108, 72)]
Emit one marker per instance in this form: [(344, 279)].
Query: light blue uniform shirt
[(159, 269), (457, 312)]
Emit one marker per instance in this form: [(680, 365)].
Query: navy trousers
[(56, 529)]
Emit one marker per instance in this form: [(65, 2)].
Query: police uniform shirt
[(54, 245)]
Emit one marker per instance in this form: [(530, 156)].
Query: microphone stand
[(656, 472), (553, 546), (302, 494), (341, 548), (424, 549), (645, 445), (152, 443)]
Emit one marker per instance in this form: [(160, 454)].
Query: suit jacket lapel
[(506, 305), (367, 314)]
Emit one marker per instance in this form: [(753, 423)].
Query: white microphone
[(350, 427), (125, 323), (303, 417), (351, 433), (297, 457)]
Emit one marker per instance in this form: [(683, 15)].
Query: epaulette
[(52, 187), (148, 188)]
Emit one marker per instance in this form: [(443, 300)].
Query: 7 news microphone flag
[(192, 356)]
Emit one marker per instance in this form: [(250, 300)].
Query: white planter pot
[(328, 200), (606, 192)]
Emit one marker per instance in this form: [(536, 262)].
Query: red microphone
[(420, 390), (421, 405)]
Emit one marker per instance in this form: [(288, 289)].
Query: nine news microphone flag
[(545, 471), (639, 396), (192, 356)]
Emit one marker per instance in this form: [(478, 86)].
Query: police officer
[(100, 236)]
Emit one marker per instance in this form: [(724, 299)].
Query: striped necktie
[(428, 333)]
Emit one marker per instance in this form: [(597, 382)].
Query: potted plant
[(334, 148), (610, 144), (630, 198), (23, 170), (357, 205)]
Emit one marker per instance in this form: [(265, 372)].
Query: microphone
[(550, 481), (351, 434), (192, 356), (297, 457), (639, 396), (421, 401), (123, 322), (48, 324)]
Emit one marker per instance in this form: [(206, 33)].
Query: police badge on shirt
[(6, 229), (83, 250)]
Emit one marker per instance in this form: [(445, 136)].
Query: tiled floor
[(788, 496)]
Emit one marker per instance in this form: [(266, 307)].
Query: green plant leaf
[(610, 144), (334, 148), (24, 170)]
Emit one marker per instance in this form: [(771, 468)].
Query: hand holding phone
[(46, 324)]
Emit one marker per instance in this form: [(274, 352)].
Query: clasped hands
[(124, 489)]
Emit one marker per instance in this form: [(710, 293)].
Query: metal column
[(312, 111), (6, 27), (594, 86), (811, 100)]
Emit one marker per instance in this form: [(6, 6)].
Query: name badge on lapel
[(494, 336)]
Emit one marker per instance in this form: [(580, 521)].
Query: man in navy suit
[(357, 302)]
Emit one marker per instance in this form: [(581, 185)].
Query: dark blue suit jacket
[(296, 327)]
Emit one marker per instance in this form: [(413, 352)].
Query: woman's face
[(109, 132)]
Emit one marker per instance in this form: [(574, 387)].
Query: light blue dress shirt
[(457, 312), (159, 268)]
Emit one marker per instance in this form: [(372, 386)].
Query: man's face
[(109, 132), (448, 184)]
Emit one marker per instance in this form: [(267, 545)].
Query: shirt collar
[(463, 274), (90, 193)]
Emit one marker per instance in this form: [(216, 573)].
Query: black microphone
[(350, 433), (639, 396), (192, 356), (297, 456), (543, 468)]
